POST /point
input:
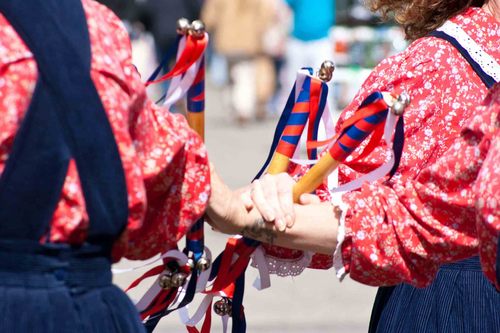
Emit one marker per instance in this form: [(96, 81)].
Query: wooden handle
[(196, 121), (314, 177)]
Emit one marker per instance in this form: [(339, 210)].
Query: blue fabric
[(398, 145), (58, 289), (54, 288), (312, 20), (460, 299), (321, 108), (65, 119), (498, 261)]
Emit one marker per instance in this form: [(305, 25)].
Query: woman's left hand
[(272, 197)]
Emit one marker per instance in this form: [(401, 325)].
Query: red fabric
[(402, 230), (165, 163)]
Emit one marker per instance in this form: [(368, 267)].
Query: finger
[(285, 197), (309, 199), (259, 200), (270, 190)]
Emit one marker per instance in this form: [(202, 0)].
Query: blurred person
[(91, 171), (126, 10), (403, 229), (237, 28), (274, 45), (161, 16), (309, 43)]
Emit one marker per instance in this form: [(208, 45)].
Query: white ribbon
[(199, 313), (181, 83), (155, 288), (262, 281)]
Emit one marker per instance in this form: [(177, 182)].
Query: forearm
[(315, 227)]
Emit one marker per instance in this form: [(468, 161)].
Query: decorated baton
[(307, 108), (304, 109), (375, 117), (370, 118), (178, 277)]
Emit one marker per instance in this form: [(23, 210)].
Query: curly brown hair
[(419, 17)]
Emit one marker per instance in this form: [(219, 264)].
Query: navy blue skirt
[(60, 293), (460, 300)]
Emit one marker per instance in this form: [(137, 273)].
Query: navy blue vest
[(65, 120)]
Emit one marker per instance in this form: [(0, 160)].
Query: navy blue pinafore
[(459, 300), (48, 287)]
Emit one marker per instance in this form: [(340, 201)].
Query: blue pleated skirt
[(61, 293), (460, 300)]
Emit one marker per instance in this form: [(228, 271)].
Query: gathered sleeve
[(487, 188), (402, 230), (166, 165), (174, 166)]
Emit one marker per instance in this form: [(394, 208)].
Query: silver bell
[(178, 279), (326, 70), (190, 264), (223, 307), (202, 264), (197, 29), (400, 104), (165, 280), (183, 26)]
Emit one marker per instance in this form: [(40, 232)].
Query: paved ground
[(313, 302)]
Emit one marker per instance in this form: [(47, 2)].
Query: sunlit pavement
[(312, 302)]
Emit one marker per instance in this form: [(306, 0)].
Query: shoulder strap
[(483, 64), (68, 109)]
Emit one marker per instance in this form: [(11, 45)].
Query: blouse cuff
[(285, 267)]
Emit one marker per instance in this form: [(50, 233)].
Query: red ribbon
[(193, 50)]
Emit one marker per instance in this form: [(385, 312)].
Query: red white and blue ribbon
[(370, 119), (304, 109)]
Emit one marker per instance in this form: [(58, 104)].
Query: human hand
[(272, 197)]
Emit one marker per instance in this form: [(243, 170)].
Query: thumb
[(246, 197), (309, 199)]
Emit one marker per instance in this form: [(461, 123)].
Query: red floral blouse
[(402, 230), (165, 163)]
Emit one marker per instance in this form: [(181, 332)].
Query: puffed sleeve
[(169, 160), (401, 230), (487, 188)]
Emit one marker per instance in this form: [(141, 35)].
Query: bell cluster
[(400, 104), (176, 276), (172, 279), (326, 70), (195, 28), (223, 307)]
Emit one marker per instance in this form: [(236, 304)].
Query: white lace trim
[(286, 267), (487, 63), (338, 263)]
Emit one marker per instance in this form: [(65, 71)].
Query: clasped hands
[(265, 211)]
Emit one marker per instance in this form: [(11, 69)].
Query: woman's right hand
[(272, 196)]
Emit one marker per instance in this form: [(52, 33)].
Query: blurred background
[(256, 48)]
